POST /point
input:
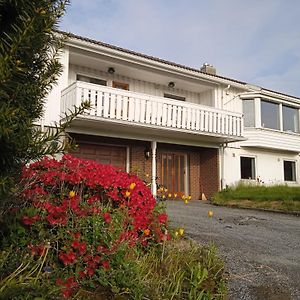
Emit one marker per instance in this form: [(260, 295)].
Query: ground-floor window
[(289, 168), (247, 167)]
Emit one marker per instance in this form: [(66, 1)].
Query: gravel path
[(261, 250)]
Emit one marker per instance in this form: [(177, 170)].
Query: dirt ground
[(261, 250)]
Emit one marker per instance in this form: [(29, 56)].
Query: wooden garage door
[(108, 155)]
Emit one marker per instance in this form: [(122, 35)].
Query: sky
[(256, 41)]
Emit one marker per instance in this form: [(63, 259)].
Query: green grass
[(278, 197)]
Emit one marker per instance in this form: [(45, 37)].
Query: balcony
[(145, 112)]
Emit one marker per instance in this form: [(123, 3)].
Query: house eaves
[(91, 44)]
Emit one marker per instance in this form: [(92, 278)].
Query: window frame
[(279, 116), (295, 130), (91, 77), (294, 170), (253, 167)]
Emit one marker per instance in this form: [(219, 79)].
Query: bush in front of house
[(80, 223), (82, 230)]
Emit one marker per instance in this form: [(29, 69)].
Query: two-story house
[(193, 129)]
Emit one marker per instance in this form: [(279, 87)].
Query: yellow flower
[(181, 231), (182, 197), (190, 197), (147, 175), (127, 194), (176, 233), (163, 196), (147, 231), (132, 185), (166, 190), (210, 213), (186, 201), (71, 194), (169, 195), (175, 195)]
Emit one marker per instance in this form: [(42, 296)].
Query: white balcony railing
[(125, 106)]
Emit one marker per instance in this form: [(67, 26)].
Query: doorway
[(174, 173)]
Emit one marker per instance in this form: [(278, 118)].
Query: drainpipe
[(153, 181), (222, 154)]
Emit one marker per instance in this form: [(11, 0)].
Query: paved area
[(261, 250)]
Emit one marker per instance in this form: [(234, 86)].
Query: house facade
[(192, 130)]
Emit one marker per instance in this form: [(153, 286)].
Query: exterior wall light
[(171, 84), (147, 153), (111, 70)]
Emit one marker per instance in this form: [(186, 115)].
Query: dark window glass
[(290, 119), (247, 168), (289, 170), (174, 97), (248, 110), (269, 115)]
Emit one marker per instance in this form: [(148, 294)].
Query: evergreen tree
[(29, 48)]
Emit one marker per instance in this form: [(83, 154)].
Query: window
[(180, 98), (90, 79), (248, 110), (121, 85), (290, 118), (269, 115), (247, 167), (289, 168)]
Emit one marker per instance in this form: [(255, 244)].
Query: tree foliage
[(29, 66)]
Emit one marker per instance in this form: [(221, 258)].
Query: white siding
[(52, 107), (268, 165), (140, 86), (228, 99)]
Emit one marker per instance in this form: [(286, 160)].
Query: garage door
[(108, 155)]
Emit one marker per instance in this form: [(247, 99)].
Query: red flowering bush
[(90, 216)]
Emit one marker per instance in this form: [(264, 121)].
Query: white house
[(193, 129)]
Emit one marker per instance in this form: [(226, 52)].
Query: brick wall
[(209, 171), (203, 162)]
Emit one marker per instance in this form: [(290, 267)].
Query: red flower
[(107, 218), (30, 220), (162, 218), (105, 264), (26, 220), (67, 258), (82, 248)]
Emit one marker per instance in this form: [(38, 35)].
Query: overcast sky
[(257, 41)]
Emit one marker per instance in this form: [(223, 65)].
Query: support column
[(153, 181)]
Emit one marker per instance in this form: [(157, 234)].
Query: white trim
[(186, 175), (127, 159), (154, 171)]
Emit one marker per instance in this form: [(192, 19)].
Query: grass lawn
[(279, 197)]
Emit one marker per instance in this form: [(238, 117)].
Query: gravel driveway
[(261, 250)]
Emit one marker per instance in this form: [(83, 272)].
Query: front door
[(173, 173)]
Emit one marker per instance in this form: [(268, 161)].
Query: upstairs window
[(269, 115), (247, 167), (290, 118), (249, 115), (171, 96), (289, 168), (121, 85), (90, 80)]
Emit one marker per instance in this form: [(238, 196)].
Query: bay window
[(270, 115), (290, 119)]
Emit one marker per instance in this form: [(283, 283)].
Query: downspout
[(222, 164)]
